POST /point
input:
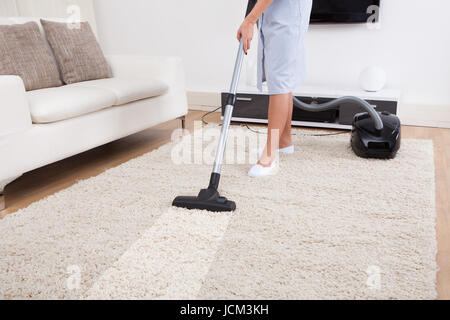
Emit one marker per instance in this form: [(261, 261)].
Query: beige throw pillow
[(25, 53), (77, 51)]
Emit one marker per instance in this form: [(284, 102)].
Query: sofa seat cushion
[(127, 90), (57, 104)]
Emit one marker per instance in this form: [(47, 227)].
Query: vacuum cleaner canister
[(368, 142)]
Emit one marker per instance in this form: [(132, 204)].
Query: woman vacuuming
[(283, 25)]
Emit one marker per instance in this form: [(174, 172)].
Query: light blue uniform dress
[(281, 57)]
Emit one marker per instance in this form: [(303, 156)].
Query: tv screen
[(342, 11)]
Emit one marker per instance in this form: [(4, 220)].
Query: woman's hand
[(245, 33)]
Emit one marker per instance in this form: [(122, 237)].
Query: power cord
[(207, 114)]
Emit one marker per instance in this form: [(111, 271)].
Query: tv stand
[(252, 106)]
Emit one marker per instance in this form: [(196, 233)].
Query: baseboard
[(412, 115), (437, 116), (204, 108), (211, 100)]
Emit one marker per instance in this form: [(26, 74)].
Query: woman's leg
[(286, 134), (280, 107)]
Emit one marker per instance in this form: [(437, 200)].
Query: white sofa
[(44, 126)]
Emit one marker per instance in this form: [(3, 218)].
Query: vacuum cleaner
[(374, 135)]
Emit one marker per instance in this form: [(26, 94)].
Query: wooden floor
[(40, 183)]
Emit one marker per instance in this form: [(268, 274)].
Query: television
[(343, 11)]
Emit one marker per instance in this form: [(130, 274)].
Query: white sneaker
[(287, 150), (258, 171)]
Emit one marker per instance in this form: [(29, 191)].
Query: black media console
[(253, 108)]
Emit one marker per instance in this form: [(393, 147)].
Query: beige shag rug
[(328, 226)]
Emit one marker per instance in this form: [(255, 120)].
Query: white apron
[(281, 56)]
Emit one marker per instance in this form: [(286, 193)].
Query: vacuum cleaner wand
[(210, 199)]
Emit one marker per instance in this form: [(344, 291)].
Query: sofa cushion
[(25, 53), (77, 51), (56, 104), (127, 90)]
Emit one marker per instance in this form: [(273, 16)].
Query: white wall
[(202, 32), (413, 44), (49, 9)]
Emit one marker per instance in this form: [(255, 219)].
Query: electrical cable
[(207, 114)]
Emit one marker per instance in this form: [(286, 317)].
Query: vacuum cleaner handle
[(251, 5)]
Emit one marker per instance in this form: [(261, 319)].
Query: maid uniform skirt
[(281, 53)]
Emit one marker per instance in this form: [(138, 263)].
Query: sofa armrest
[(14, 109), (167, 69)]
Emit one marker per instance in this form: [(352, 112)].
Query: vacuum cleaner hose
[(336, 103)]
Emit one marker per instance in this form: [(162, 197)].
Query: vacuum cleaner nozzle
[(208, 199)]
